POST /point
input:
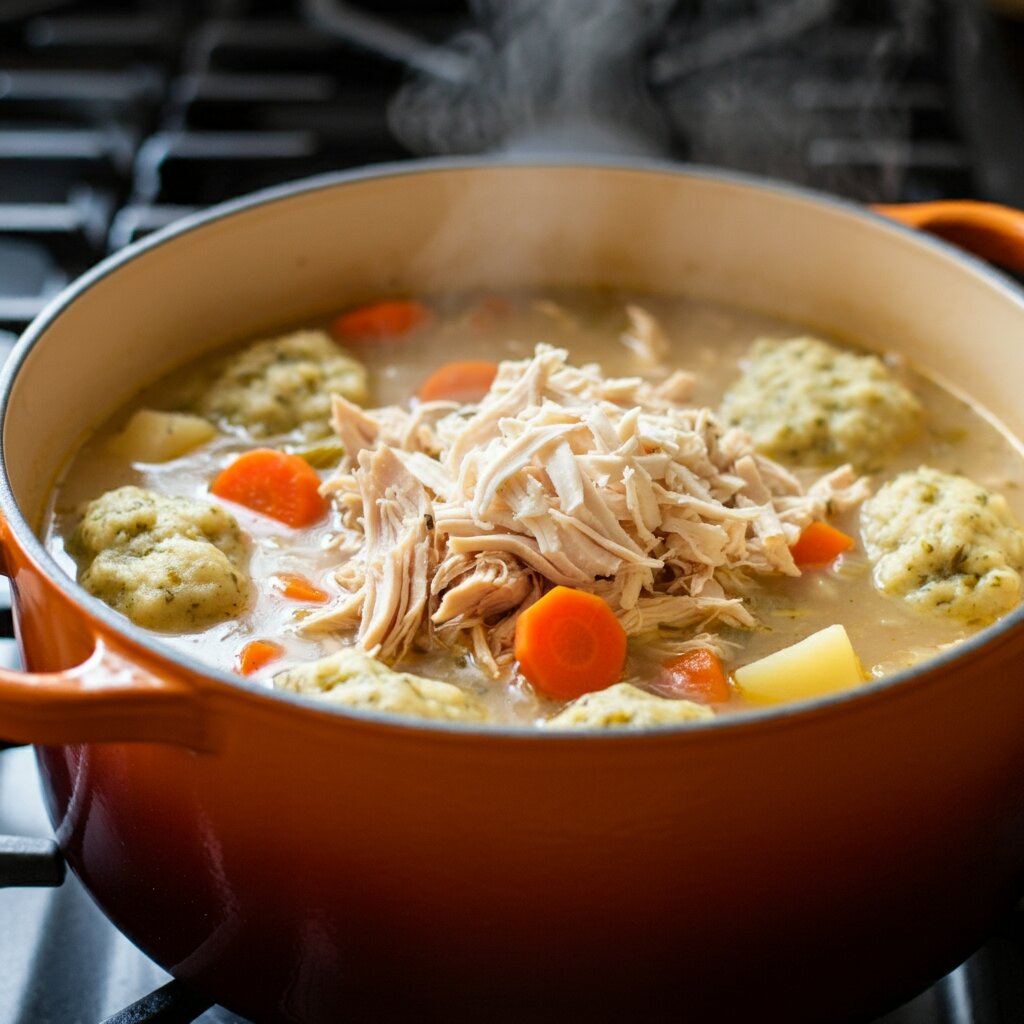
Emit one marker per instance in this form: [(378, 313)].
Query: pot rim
[(239, 687)]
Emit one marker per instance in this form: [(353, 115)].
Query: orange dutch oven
[(301, 863)]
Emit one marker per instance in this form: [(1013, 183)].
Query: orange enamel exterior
[(304, 864), (993, 232)]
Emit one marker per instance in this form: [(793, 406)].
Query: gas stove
[(116, 118)]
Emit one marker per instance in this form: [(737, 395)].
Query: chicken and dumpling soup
[(575, 510)]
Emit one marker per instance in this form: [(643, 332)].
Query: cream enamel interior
[(446, 228)]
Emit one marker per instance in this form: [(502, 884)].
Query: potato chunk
[(945, 545), (353, 678), (169, 564), (821, 663), (283, 384), (807, 402), (155, 436), (626, 706)]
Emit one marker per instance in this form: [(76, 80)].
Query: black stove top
[(117, 117)]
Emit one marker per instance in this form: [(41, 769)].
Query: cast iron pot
[(306, 864)]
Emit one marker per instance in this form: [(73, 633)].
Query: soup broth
[(709, 341)]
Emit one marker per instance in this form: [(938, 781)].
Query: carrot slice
[(255, 655), (696, 674), (275, 484), (466, 381), (820, 544), (298, 588), (569, 643), (386, 319)]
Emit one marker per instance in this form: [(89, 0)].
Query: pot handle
[(993, 232), (109, 697)]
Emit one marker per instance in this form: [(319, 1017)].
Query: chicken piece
[(809, 403), (397, 555), (559, 476), (945, 545), (354, 679), (283, 384), (645, 336), (626, 706), (168, 563)]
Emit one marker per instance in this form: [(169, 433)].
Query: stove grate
[(27, 861), (173, 1003)]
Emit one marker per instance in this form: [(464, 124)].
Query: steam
[(801, 92), (565, 75), (738, 38), (791, 89)]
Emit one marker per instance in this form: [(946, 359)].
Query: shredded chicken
[(459, 518), (645, 336)]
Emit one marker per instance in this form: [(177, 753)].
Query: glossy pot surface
[(304, 864)]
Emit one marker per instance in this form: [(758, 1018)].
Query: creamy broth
[(708, 340)]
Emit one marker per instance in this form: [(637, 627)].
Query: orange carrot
[(389, 318), (298, 588), (696, 674), (255, 655), (569, 643), (467, 381), (272, 483), (820, 544)]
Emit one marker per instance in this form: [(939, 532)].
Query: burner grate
[(116, 119), (25, 861), (170, 1004), (115, 123)]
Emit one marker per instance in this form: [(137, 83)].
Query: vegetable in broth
[(581, 510)]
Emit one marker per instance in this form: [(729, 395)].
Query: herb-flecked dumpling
[(354, 679), (169, 563), (626, 706), (283, 384), (944, 544), (806, 402)]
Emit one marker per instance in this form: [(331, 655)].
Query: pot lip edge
[(233, 686)]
